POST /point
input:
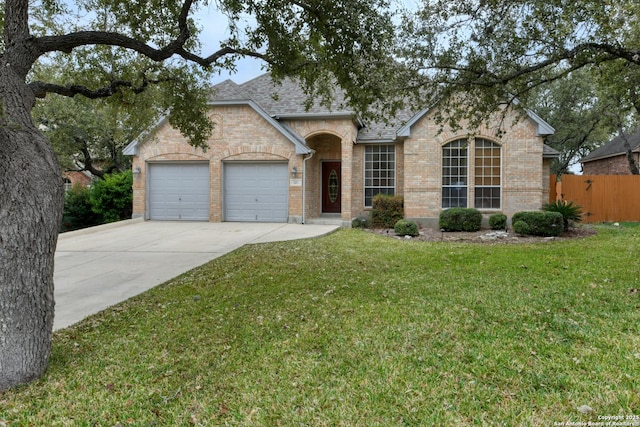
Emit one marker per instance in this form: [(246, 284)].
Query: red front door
[(331, 193)]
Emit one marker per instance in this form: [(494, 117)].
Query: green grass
[(354, 329)]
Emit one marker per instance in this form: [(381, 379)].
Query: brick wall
[(524, 176), (617, 165), (241, 134), (331, 140)]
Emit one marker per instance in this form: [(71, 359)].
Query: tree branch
[(40, 89)]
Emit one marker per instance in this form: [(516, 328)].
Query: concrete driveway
[(102, 266)]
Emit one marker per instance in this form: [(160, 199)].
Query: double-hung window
[(379, 171)]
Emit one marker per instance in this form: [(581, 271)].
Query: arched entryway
[(324, 176)]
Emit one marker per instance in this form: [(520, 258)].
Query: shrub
[(460, 219), (360, 222), (498, 221), (569, 211), (521, 227), (406, 228), (77, 209), (387, 210), (539, 223), (112, 197)]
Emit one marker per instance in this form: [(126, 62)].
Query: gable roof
[(286, 100), (229, 93), (615, 147), (542, 128)]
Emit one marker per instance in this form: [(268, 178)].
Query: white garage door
[(256, 192), (179, 191)]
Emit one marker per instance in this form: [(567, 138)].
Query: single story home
[(270, 159), (611, 158)]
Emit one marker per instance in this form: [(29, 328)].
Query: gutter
[(304, 184)]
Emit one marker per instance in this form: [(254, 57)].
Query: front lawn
[(355, 329)]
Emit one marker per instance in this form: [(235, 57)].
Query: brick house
[(72, 178), (271, 160), (611, 158)]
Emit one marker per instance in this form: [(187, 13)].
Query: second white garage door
[(257, 192)]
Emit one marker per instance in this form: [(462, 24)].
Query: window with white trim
[(379, 171), (486, 174), (455, 174)]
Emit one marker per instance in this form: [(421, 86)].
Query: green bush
[(569, 211), (498, 221), (360, 222), (112, 197), (387, 210), (460, 219), (521, 227), (540, 223), (77, 209), (406, 228)]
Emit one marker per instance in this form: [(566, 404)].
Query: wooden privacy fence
[(604, 198)]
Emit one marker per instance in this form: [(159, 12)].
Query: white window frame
[(465, 181), (490, 177), (455, 182), (376, 178)]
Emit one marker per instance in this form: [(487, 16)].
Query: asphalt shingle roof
[(286, 99), (615, 147)]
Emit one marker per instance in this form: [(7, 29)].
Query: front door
[(331, 194)]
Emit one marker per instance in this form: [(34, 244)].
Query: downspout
[(304, 184)]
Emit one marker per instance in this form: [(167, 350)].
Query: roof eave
[(322, 116), (542, 127), (376, 141), (132, 148), (405, 130), (607, 156)]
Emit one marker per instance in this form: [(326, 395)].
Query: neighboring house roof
[(615, 147), (286, 100)]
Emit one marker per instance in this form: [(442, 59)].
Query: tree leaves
[(497, 51)]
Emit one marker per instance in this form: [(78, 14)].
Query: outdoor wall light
[(294, 173), (137, 171)]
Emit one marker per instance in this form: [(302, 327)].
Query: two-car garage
[(252, 191)]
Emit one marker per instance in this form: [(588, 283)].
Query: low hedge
[(538, 223), (460, 219)]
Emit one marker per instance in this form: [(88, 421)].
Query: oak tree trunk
[(31, 203)]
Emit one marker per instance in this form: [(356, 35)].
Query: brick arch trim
[(471, 137), (257, 152), (176, 156), (315, 133)]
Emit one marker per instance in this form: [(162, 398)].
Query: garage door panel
[(257, 192), (179, 191)]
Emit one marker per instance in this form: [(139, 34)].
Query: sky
[(214, 26), (215, 29)]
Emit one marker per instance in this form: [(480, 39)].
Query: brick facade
[(615, 165), (242, 134)]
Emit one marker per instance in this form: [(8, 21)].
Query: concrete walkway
[(102, 266)]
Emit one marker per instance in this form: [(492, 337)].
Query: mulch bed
[(487, 236)]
